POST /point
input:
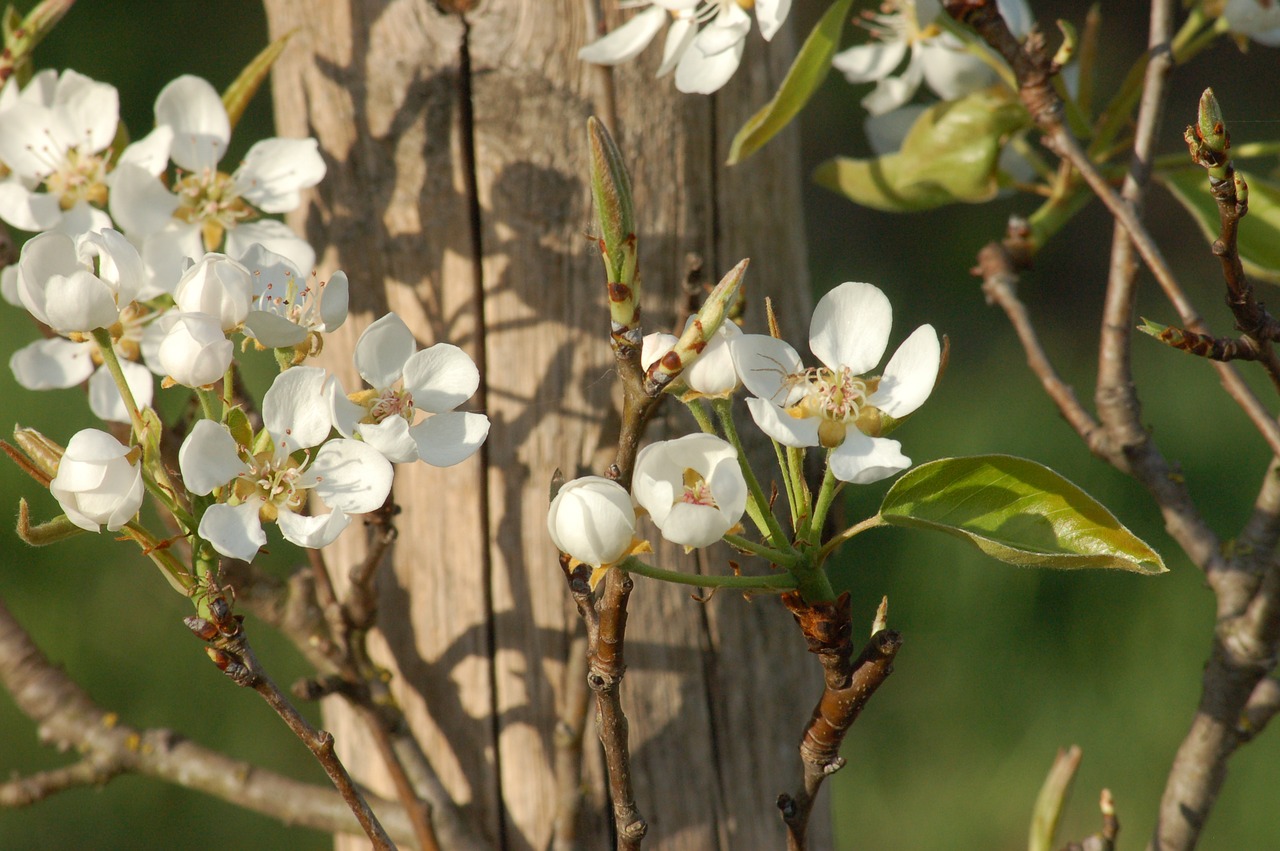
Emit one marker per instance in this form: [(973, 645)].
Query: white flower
[(194, 350), (219, 286), (273, 484), (592, 519), (905, 30), (692, 487), (1255, 19), (54, 138), (57, 363), (404, 381), (77, 285), (704, 43), (99, 482), (288, 308), (833, 405), (712, 373), (208, 207)]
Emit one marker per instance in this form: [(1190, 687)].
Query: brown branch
[(97, 769), (848, 684), (67, 717)]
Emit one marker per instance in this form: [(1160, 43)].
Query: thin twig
[(97, 769)]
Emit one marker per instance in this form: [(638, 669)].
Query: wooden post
[(475, 620)]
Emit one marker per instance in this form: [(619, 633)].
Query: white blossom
[(219, 286), (194, 351), (834, 405), (287, 307), (592, 519), (78, 285), (712, 373), (692, 488), (99, 481)]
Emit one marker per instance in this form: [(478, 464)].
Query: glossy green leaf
[(1017, 511), (950, 155), (242, 90), (803, 78), (1259, 235)]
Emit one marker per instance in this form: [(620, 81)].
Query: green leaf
[(1259, 235), (242, 90), (950, 155), (803, 78), (1017, 511)]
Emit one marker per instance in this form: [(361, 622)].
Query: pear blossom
[(271, 482), (834, 405), (287, 309), (1255, 19), (54, 137), (194, 351), (905, 30), (99, 481), (712, 373), (592, 519), (692, 488), (77, 285), (219, 286), (704, 43), (208, 209), (405, 382), (57, 363)]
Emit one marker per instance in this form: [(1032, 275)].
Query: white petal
[(850, 327), (104, 396), (346, 414), (26, 209), (441, 378), (295, 408), (870, 62), (139, 202), (312, 532), (201, 129), (702, 73), (770, 15), (694, 525), (446, 439), (272, 330), (209, 457), (892, 92), (80, 302), (195, 351), (31, 140), (52, 364), (150, 153), (680, 36), (275, 170), (950, 70), (351, 476), (235, 531), (863, 460), (764, 364), (627, 41), (275, 237), (383, 349), (886, 132), (910, 374), (713, 373), (787, 430), (165, 252), (334, 301), (82, 218), (654, 346), (391, 437), (726, 31)]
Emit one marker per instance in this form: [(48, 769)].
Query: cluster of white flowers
[(693, 488), (155, 253)]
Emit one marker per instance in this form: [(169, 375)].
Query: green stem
[(107, 348), (209, 403), (772, 583), (770, 528), (778, 557), (856, 529), (700, 415), (826, 495), (228, 389), (793, 504)]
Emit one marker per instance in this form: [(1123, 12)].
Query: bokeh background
[(1001, 666)]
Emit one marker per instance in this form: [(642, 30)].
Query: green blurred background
[(1001, 666)]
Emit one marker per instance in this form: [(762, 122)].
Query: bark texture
[(475, 620)]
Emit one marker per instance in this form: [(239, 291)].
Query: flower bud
[(692, 488), (592, 519), (195, 351), (219, 286), (99, 481)]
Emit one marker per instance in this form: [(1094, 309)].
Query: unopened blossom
[(272, 484), (905, 31), (835, 405), (194, 350), (692, 488), (404, 384), (287, 307), (592, 519), (704, 42), (219, 286), (75, 285), (54, 137), (712, 373), (99, 481), (206, 209)]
